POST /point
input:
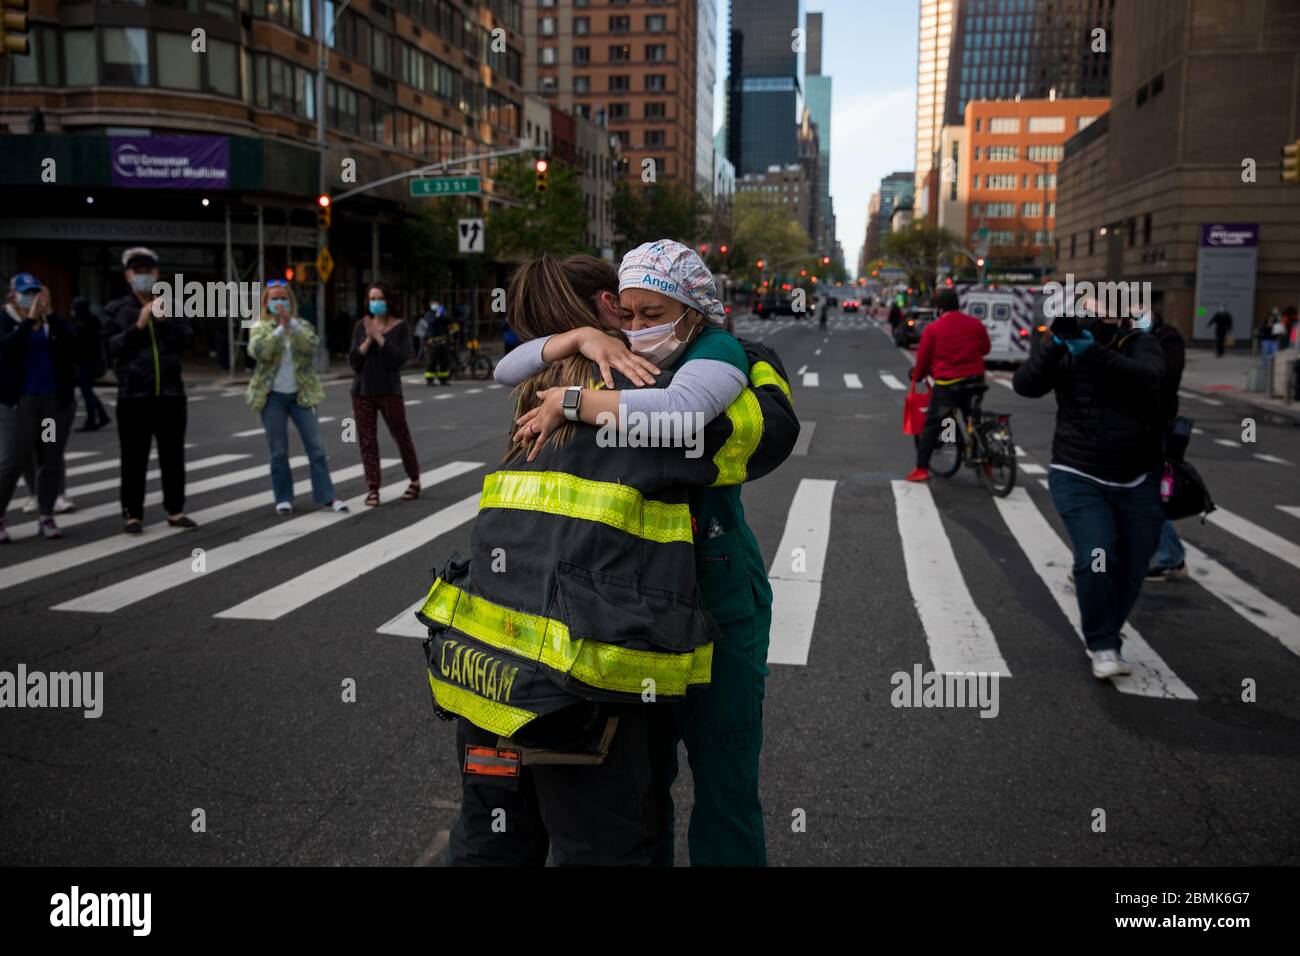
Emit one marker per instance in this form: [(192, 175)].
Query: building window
[(79, 57), (178, 66), (655, 110), (975, 182), (1132, 231), (126, 56), (619, 83), (380, 52), (1032, 209), (1146, 229), (581, 55), (1045, 154), (1039, 180), (582, 84), (979, 122), (655, 23), (1084, 122), (1092, 241), (548, 56), (581, 25), (547, 84), (1073, 244), (223, 67), (620, 54), (655, 137), (1002, 181), (1047, 124), (656, 82), (656, 52), (1002, 154), (618, 111), (548, 26), (620, 24), (583, 110), (1003, 124)]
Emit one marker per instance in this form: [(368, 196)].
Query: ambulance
[(1010, 313)]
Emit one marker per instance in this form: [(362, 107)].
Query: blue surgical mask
[(25, 300), (143, 281), (378, 307), (278, 306)]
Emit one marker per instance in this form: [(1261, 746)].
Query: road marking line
[(413, 401), (1045, 483), (811, 380), (1227, 442), (1051, 558), (958, 635), (1257, 608), (1029, 468), (179, 572), (443, 395), (1198, 431), (1199, 398), (801, 443), (108, 483), (816, 352), (473, 391), (1292, 510), (1005, 383), (74, 455), (325, 418), (249, 433), (276, 602), (1272, 459), (1021, 453), (893, 382), (796, 594), (851, 380), (802, 369), (1257, 535), (115, 544)]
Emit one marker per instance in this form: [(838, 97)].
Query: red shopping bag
[(915, 408)]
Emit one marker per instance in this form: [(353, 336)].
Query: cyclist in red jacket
[(952, 350)]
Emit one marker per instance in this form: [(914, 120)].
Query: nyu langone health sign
[(1229, 235), (170, 162)]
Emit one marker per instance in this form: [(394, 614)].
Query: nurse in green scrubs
[(673, 319)]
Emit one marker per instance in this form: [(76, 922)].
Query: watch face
[(571, 399)]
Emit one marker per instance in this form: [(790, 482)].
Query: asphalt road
[(223, 689)]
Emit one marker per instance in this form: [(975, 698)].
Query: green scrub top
[(729, 564)]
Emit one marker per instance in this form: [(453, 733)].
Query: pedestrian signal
[(1291, 162), (13, 26)]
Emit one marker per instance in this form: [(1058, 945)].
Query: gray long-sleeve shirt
[(700, 385)]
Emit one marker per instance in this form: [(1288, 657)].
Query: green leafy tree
[(669, 211), (766, 230), (535, 222), (919, 250)]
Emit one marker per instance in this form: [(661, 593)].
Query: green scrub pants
[(722, 727)]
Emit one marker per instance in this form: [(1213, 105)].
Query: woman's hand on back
[(538, 424), (610, 352)]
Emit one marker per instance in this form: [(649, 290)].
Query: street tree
[(665, 211), (535, 222), (919, 250)]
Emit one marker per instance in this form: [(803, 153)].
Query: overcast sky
[(869, 48)]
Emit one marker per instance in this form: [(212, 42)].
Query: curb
[(1274, 407)]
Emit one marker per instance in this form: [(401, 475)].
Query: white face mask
[(1143, 322), (657, 343)]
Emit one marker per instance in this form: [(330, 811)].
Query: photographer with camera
[(1106, 462)]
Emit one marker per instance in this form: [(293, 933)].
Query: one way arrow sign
[(470, 235)]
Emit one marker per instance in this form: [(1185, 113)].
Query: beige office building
[(934, 45)]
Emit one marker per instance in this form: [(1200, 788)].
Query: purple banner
[(170, 162), (1229, 235)]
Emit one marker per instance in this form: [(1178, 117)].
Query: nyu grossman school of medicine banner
[(170, 162)]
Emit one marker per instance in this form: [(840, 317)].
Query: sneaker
[(919, 474), (64, 504), (284, 508), (49, 529), (1107, 664), (134, 527), (338, 506), (1176, 573), (29, 506), (184, 521)]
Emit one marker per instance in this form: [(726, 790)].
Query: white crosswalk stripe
[(959, 637), (225, 556), (1051, 558), (190, 466), (851, 380), (893, 382), (274, 603), (811, 379), (1256, 535), (796, 573), (1257, 608)]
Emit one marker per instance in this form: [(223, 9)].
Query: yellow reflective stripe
[(946, 381), (547, 641), (762, 373), (619, 506), (501, 719), (733, 457)]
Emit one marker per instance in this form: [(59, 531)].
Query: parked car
[(909, 330)]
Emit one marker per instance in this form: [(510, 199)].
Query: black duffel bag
[(1188, 495)]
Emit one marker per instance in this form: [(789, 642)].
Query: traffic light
[(11, 24), (542, 166), (826, 260), (288, 274), (759, 263), (1291, 162), (704, 249), (323, 211), (722, 249)]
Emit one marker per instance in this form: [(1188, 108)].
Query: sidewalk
[(1224, 380)]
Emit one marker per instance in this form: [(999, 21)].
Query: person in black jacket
[(37, 402), (1169, 562), (1106, 464), (90, 362), (145, 349)]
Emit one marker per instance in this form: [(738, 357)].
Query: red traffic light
[(759, 263), (288, 274), (723, 250), (826, 260), (704, 250), (323, 201)]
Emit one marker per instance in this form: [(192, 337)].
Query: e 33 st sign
[(456, 186)]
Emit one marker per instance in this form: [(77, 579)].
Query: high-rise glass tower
[(763, 86)]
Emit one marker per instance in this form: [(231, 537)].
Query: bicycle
[(478, 366), (985, 444)]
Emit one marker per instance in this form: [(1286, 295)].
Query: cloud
[(872, 135)]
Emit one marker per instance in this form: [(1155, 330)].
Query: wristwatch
[(571, 401)]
